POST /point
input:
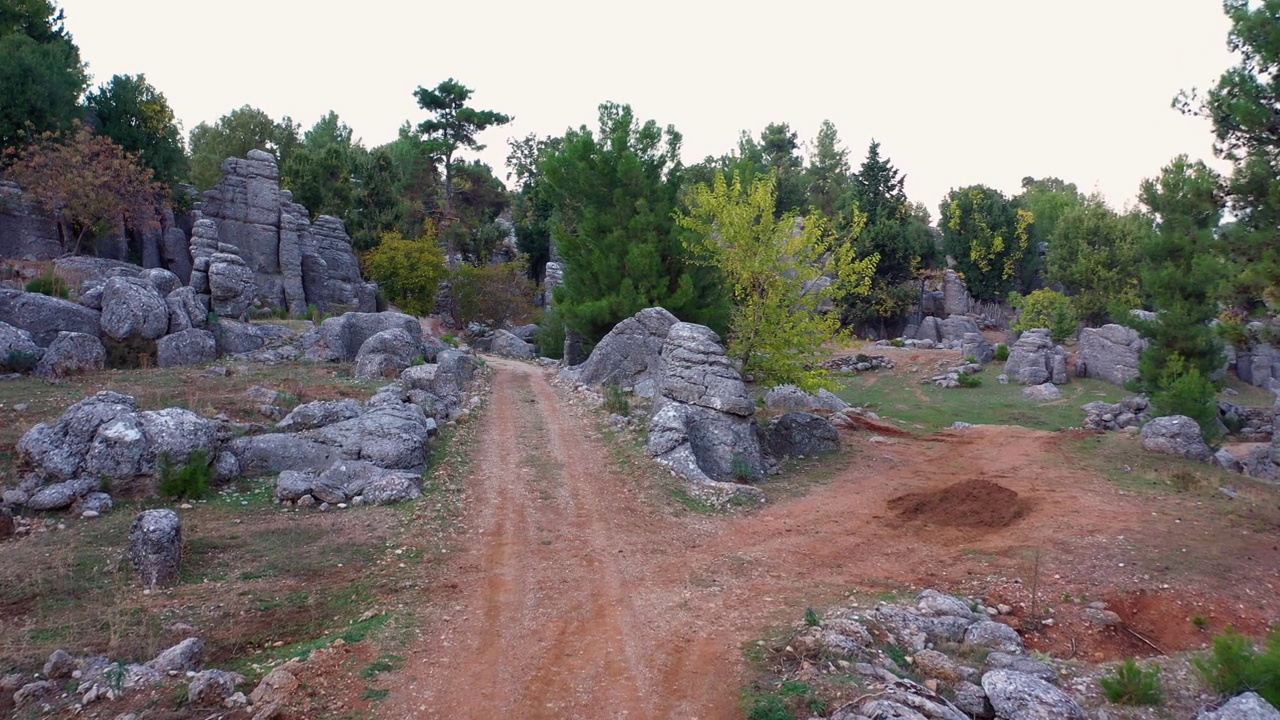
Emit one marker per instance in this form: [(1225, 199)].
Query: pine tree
[(828, 171)]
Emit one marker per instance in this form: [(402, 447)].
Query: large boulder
[(506, 344), (44, 317), (790, 397), (155, 547), (703, 423), (796, 434), (1018, 696), (234, 337), (133, 308), (1176, 435), (278, 452), (953, 329), (955, 296), (16, 340), (1035, 359), (629, 356), (386, 354), (133, 444), (345, 334), (187, 309), (188, 347), (1110, 353), (974, 345), (1246, 706), (319, 413), (72, 353), (231, 284), (58, 450), (393, 436)]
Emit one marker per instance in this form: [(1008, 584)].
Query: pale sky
[(958, 92)]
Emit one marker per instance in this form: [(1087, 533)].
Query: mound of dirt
[(974, 503)]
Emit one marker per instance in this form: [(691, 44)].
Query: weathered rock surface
[(1034, 359), (956, 298), (1017, 696), (58, 450), (133, 308), (790, 397), (1176, 435), (797, 434), (394, 437), (1110, 353), (17, 340), (629, 356), (319, 413), (278, 452), (1247, 706), (155, 548), (26, 232), (44, 316), (187, 309), (506, 344), (59, 665), (188, 347), (703, 423), (345, 334), (1043, 392), (1130, 412), (974, 345), (386, 354), (179, 658), (72, 353), (212, 687)]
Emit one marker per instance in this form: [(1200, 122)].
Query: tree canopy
[(137, 117), (234, 135), (41, 74), (988, 237), (453, 125)]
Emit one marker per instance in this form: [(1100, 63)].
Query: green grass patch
[(927, 408)]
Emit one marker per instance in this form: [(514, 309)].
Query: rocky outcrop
[(72, 353), (551, 279), (44, 317), (386, 354), (505, 344), (800, 434), (188, 347), (703, 423), (1130, 412), (955, 296), (155, 548), (292, 263), (133, 308), (1176, 435), (1035, 359), (345, 334), (1246, 706), (1110, 353), (790, 397), (26, 232), (629, 356)]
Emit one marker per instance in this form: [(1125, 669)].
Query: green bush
[(1192, 395), (898, 342), (967, 380), (1002, 352), (1045, 309), (1131, 685), (189, 482), (49, 285), (1236, 666), (19, 361), (494, 295), (769, 707), (616, 402), (551, 335)]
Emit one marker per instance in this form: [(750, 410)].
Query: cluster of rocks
[(1127, 415), (858, 363), (1249, 424), (950, 378), (942, 333), (71, 685), (1007, 683), (520, 343)]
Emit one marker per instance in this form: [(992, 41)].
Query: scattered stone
[(179, 658), (1045, 392), (273, 692), (59, 665), (72, 353), (33, 691), (212, 687), (796, 434)]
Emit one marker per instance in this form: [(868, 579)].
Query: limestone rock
[(231, 285), (278, 452), (1017, 696), (61, 495), (59, 665), (274, 690), (1043, 392), (394, 437), (629, 356), (1110, 353), (188, 347), (1176, 435), (790, 397), (17, 340), (1035, 359), (187, 309), (391, 487), (179, 658), (1247, 706), (386, 354), (212, 687), (58, 450), (319, 413), (132, 307), (506, 344), (26, 231), (974, 345), (956, 298), (44, 317), (155, 547), (72, 353), (994, 635), (796, 434), (234, 337), (954, 328), (345, 334), (703, 424), (1021, 663)]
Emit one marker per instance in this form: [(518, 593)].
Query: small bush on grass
[(1045, 309), (1236, 666), (967, 380), (1002, 352), (189, 482), (49, 285), (1131, 685), (616, 402)]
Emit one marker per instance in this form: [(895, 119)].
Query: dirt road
[(578, 596)]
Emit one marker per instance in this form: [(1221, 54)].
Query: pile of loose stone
[(858, 363)]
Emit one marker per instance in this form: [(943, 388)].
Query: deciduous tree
[(234, 135), (1094, 254), (988, 237), (408, 272)]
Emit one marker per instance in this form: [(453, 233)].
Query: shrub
[(408, 272), (551, 335), (1002, 352), (898, 342), (189, 482), (615, 401), (1188, 393), (19, 361), (811, 618), (740, 469), (1236, 666), (131, 353), (491, 294), (1045, 309), (49, 285), (1131, 685), (968, 380)]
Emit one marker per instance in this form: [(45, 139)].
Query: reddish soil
[(578, 594)]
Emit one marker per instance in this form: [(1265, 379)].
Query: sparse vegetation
[(189, 482), (968, 380), (616, 402), (49, 284), (1001, 352), (1131, 685), (1236, 666), (19, 361)]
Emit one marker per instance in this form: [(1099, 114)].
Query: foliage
[(1131, 685), (1242, 106), (87, 182), (234, 135), (19, 361), (41, 75), (320, 172), (452, 126), (1002, 352), (1045, 308), (495, 295), (778, 326), (408, 272), (377, 208), (137, 117), (1180, 275), (968, 380), (1094, 254), (989, 238), (1183, 390), (532, 203), (613, 198), (811, 618), (48, 284), (189, 482), (615, 401), (1236, 666), (828, 174), (551, 335)]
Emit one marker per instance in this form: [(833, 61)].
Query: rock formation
[(155, 547), (1035, 359), (293, 263), (629, 356), (1110, 353), (26, 232)]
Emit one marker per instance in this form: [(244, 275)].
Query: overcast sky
[(958, 92)]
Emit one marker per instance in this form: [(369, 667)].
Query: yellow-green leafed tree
[(408, 272), (774, 270)]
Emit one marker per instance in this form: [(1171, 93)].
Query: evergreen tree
[(321, 171), (532, 205), (614, 197), (137, 117), (1094, 255), (234, 135), (828, 172), (41, 75), (452, 126)]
